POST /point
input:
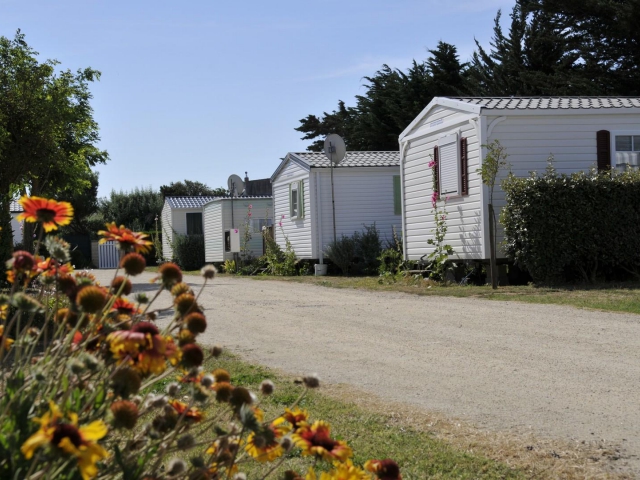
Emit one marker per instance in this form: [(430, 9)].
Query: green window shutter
[(397, 199), (301, 199), (290, 201)]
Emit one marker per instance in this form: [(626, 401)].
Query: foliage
[(392, 257), (189, 251), (138, 208), (558, 227), (342, 252), (245, 250), (368, 247), (190, 188), (392, 100), (438, 259), (277, 261), (48, 136), (74, 393), (229, 266)]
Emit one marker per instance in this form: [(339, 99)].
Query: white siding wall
[(15, 225), (571, 139), (174, 221), (362, 196), (167, 232), (298, 231), (213, 232), (464, 216)]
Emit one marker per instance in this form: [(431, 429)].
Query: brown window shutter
[(603, 149), (436, 170), (464, 168)]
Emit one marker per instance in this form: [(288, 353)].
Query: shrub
[(276, 260), (342, 252), (95, 398), (189, 251), (368, 247), (558, 227), (392, 257)]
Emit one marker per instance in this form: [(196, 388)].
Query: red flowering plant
[(74, 393)]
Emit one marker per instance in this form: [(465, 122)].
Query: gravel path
[(560, 371)]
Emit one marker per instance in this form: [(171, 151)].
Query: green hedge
[(562, 227), (189, 251)]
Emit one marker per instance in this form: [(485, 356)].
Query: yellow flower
[(128, 241), (4, 310), (66, 436), (316, 440), (264, 445), (341, 471), (4, 342)]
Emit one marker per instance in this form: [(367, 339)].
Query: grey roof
[(352, 159), (15, 207), (550, 103), (188, 202)]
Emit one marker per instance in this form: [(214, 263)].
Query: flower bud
[(266, 387)]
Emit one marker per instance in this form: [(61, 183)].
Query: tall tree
[(392, 100), (47, 132), (190, 188), (136, 209)]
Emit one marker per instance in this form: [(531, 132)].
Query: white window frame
[(445, 140), (620, 133)]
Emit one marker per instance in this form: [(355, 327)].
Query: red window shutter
[(603, 149), (436, 169), (464, 168)]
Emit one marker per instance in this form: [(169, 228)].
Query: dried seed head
[(58, 249), (141, 298), (216, 351), (21, 261), (186, 337), (159, 401), (180, 288), (196, 322), (207, 381), (76, 366), (311, 381), (240, 476), (184, 303), (26, 303), (223, 391), (133, 263), (125, 382), (67, 285), (200, 394), (192, 355), (91, 299), (125, 414), (185, 442), (91, 362), (208, 271), (121, 282), (221, 375), (170, 274), (176, 466), (172, 389), (240, 396), (286, 444), (266, 387)]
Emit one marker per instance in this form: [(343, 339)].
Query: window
[(397, 199), (194, 223), (227, 241), (627, 151), (296, 199), (449, 167), (257, 224)]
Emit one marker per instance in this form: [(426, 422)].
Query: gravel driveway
[(563, 372)]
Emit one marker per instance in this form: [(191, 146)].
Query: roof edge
[(439, 101)]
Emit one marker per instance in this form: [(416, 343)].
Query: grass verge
[(425, 446)]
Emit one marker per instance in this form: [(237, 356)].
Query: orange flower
[(143, 348), (50, 213), (192, 413), (5, 343), (124, 306), (51, 268), (315, 440), (128, 241)]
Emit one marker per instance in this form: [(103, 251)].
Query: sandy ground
[(556, 371)]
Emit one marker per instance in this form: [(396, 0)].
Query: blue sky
[(203, 89)]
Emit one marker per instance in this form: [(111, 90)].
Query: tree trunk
[(6, 234), (492, 246)]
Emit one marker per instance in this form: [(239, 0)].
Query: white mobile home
[(579, 132), (366, 190), (183, 216), (224, 214)]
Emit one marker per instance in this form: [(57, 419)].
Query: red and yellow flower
[(51, 268), (143, 348), (192, 414), (316, 440), (124, 307), (67, 437), (341, 471), (50, 213), (297, 418), (264, 445), (127, 240)]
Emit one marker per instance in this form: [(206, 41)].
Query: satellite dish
[(235, 185), (334, 148)]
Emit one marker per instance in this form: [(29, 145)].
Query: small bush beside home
[(80, 393)]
